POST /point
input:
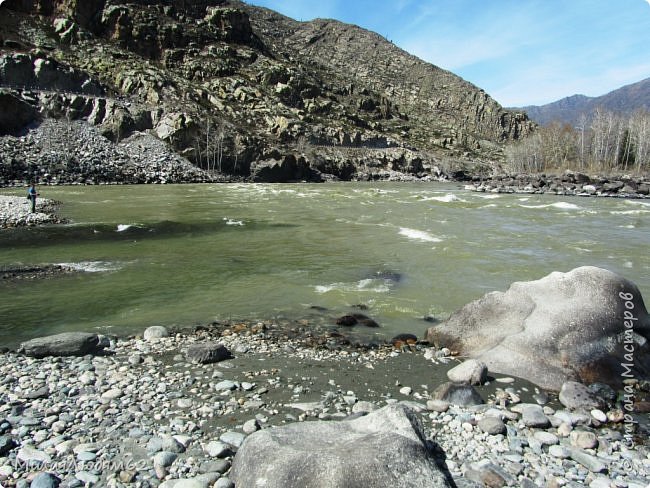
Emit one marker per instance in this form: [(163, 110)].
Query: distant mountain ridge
[(625, 100)]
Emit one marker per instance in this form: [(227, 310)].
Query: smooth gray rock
[(384, 448), (45, 480), (576, 395), (563, 327), (533, 416), (232, 438), (492, 425), (592, 463), (65, 344), (455, 394), (164, 459), (155, 332), (471, 372), (209, 352)]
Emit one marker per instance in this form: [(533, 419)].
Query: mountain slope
[(242, 90), (625, 100)]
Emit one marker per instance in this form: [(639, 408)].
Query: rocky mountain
[(625, 100), (235, 90)]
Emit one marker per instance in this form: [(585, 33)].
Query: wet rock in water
[(356, 319), (209, 352), (576, 395), (472, 372), (563, 327), (402, 340), (384, 448), (457, 394), (393, 276), (65, 344)]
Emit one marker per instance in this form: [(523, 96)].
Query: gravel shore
[(144, 415), (16, 212)]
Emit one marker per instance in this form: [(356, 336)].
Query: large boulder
[(384, 448), (65, 344), (587, 325)]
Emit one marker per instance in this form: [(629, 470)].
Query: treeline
[(603, 142)]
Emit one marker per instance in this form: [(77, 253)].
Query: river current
[(190, 254)]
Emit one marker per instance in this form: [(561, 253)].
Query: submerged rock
[(384, 448), (575, 326)]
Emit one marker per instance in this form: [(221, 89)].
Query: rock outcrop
[(226, 84), (588, 325), (387, 447)]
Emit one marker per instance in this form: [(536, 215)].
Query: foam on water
[(560, 205), (418, 235), (230, 221), (92, 266), (124, 227), (371, 285), (630, 212), (448, 198)]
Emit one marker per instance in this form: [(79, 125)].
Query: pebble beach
[(143, 414)]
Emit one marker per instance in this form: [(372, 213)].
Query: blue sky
[(522, 52)]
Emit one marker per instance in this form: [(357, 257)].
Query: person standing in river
[(32, 194)]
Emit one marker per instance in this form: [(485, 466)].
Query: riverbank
[(567, 184), (17, 212), (145, 414)]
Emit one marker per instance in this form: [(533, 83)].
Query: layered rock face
[(226, 84), (588, 325)]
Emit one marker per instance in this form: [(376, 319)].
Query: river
[(190, 254)]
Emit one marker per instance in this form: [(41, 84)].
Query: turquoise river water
[(190, 254)]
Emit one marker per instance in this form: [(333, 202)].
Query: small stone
[(87, 478), (233, 438), (583, 439), (532, 415), (164, 459), (251, 426), (592, 463), (462, 395), (127, 476), (155, 332), (559, 452), (492, 425), (601, 482), (170, 444), (599, 415), (546, 438), (45, 480), (224, 483), (210, 352), (86, 456), (439, 406), (225, 385), (217, 449), (405, 390), (471, 371), (112, 394)]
